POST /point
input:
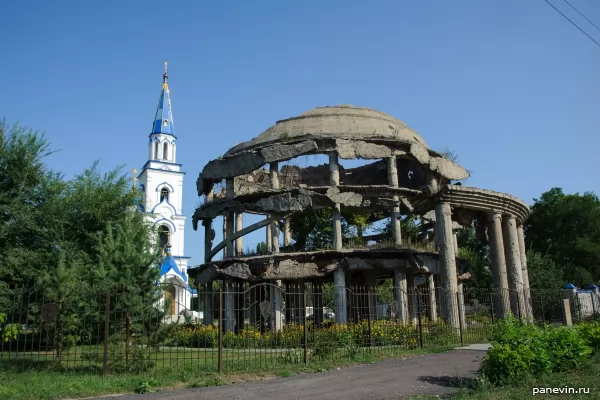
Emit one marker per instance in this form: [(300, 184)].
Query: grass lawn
[(47, 383), (587, 377)]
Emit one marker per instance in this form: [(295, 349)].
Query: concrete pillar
[(274, 175), (400, 295), (432, 302), (208, 303), (496, 243), (395, 214), (455, 244), (339, 282), (525, 272), (447, 275), (239, 225), (412, 296), (334, 180), (274, 184), (513, 264), (276, 303), (230, 221), (208, 238), (228, 306), (268, 238), (225, 234), (211, 193), (287, 232), (274, 235)]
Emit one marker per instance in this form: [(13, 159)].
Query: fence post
[(567, 312), (220, 350), (369, 316), (460, 321), (106, 326), (305, 331), (127, 336), (416, 294)]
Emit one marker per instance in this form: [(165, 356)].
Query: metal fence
[(241, 327)]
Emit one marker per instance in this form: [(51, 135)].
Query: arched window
[(164, 236), (155, 150), (166, 151), (164, 194)]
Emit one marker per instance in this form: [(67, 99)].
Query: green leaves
[(566, 228)]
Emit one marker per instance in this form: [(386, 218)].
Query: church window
[(166, 122), (164, 194), (155, 150), (164, 235), (166, 151)]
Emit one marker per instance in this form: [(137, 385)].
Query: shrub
[(591, 333), (523, 350)]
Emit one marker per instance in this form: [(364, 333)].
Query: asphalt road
[(432, 374)]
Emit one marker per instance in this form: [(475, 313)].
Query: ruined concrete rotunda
[(402, 177)]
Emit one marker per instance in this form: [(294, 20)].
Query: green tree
[(566, 228)]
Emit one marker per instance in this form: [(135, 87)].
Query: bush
[(525, 350), (591, 333)]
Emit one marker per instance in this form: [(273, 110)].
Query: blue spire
[(163, 120)]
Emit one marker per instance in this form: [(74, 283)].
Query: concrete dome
[(335, 122)]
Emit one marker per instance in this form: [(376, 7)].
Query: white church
[(161, 182)]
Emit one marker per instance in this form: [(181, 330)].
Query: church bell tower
[(161, 182)]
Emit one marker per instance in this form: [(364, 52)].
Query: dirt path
[(433, 374)]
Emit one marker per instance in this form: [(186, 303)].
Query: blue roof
[(163, 119), (170, 264), (570, 286)]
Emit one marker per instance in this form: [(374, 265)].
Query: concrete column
[(412, 296), (447, 275), (395, 214), (287, 232), (208, 238), (400, 295), (274, 184), (432, 302), (225, 234), (208, 303), (275, 235), (276, 303), (455, 244), (228, 306), (211, 193), (268, 238), (239, 225), (339, 282), (230, 222), (525, 272), (496, 243), (513, 261), (274, 175), (334, 180)]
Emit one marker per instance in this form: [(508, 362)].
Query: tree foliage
[(566, 229)]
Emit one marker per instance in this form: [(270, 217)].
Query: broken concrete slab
[(448, 169), (229, 167), (285, 152), (355, 149)]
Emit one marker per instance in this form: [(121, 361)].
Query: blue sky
[(509, 85)]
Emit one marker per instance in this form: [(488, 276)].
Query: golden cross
[(165, 67), (134, 171)]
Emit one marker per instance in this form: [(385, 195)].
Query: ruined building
[(402, 177)]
